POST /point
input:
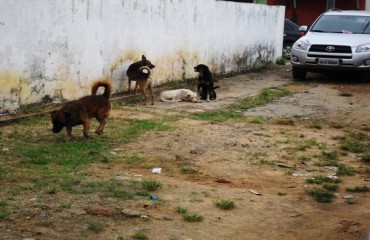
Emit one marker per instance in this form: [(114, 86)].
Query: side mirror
[(303, 28)]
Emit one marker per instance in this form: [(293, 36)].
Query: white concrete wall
[(57, 48)]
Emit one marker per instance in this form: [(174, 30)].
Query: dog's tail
[(146, 70), (107, 84)]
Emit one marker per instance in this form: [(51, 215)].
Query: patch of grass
[(188, 170), (365, 158), (280, 61), (234, 111), (322, 179), (282, 193), (345, 94), (192, 217), (134, 159), (71, 154), (285, 121), (138, 127), (358, 189), (151, 185), (330, 187), (217, 116), (317, 124), (225, 204), (4, 211), (322, 196), (257, 120), (181, 210), (337, 125), (95, 225), (264, 97), (304, 158), (140, 235), (356, 142), (329, 158), (344, 170)]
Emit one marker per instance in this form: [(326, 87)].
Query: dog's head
[(58, 118), (146, 62), (192, 97), (200, 68)]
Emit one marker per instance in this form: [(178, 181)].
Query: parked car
[(291, 34), (336, 41)]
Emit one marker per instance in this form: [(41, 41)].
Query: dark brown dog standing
[(140, 72), (82, 110), (205, 83)]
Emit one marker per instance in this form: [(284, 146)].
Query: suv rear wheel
[(299, 74)]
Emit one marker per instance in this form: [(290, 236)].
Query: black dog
[(205, 83), (135, 73)]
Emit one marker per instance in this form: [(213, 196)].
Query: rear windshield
[(342, 24)]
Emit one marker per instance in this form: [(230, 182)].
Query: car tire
[(287, 47), (299, 74)]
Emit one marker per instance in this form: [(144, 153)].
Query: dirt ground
[(234, 157)]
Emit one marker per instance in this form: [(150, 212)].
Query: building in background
[(304, 12)]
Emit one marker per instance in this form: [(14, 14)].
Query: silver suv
[(336, 41)]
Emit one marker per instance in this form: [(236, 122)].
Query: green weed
[(151, 185), (225, 204), (140, 235), (322, 196), (188, 170), (193, 217), (95, 225), (358, 189)]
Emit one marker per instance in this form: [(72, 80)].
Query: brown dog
[(140, 72), (82, 110)]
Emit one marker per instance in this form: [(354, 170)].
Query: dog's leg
[(69, 131), (100, 129), (86, 126), (129, 85), (151, 90), (142, 88), (136, 85)]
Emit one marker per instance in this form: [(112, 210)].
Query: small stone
[(76, 211), (97, 211), (131, 213), (167, 218), (254, 192), (348, 196)]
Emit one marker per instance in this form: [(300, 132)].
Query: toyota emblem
[(330, 49)]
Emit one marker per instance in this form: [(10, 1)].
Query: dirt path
[(272, 151), (233, 157)]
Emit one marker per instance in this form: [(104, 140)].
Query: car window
[(342, 24)]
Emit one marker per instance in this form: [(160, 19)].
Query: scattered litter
[(114, 153), (348, 196), (153, 197), (300, 174), (157, 170), (138, 175), (332, 176), (367, 179), (333, 168), (5, 149), (254, 192)]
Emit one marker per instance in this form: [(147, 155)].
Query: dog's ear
[(143, 58)]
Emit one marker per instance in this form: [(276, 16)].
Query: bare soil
[(234, 157)]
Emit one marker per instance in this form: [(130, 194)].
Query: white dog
[(179, 95)]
